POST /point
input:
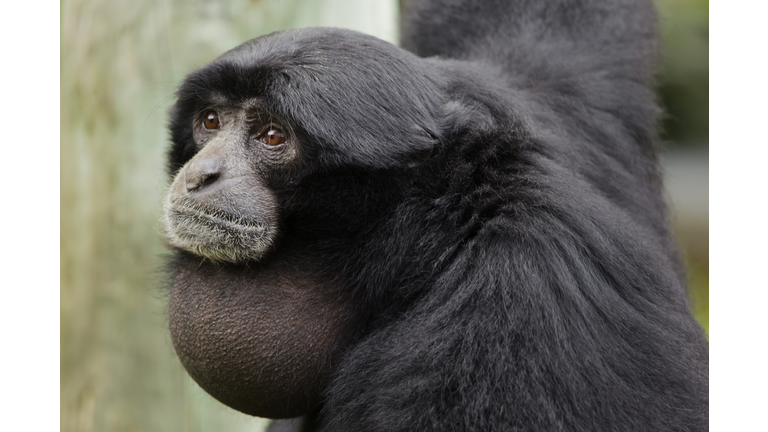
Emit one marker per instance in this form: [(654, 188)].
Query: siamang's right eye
[(211, 120)]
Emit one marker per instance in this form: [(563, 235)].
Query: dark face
[(282, 150), (219, 206)]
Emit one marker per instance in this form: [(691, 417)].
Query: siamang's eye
[(211, 120), (273, 136)]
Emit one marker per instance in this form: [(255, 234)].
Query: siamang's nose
[(203, 173)]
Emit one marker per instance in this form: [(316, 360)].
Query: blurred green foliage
[(684, 82), (698, 283)]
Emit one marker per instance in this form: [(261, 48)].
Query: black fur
[(494, 214)]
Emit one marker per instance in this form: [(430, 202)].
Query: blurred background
[(120, 64)]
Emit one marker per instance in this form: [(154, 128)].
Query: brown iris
[(211, 120), (273, 136)]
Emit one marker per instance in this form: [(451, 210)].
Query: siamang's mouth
[(213, 218), (215, 233)]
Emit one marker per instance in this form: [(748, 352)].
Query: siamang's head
[(278, 109)]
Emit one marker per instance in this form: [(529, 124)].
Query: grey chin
[(217, 236)]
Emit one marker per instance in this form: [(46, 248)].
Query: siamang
[(467, 234)]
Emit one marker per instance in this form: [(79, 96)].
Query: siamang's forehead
[(311, 58)]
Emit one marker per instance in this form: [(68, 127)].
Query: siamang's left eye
[(211, 120), (273, 136)]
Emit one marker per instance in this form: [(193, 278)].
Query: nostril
[(202, 181), (210, 178)]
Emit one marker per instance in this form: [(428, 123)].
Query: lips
[(186, 215)]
